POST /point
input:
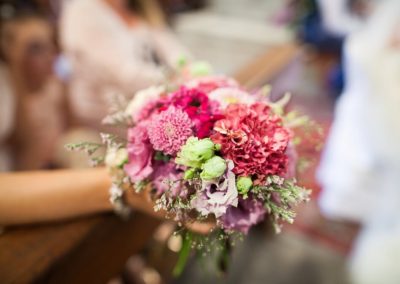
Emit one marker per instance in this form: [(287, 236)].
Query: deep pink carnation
[(140, 153), (169, 130), (201, 110), (254, 139)]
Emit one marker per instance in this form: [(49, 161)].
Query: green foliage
[(160, 156), (280, 196), (88, 147)]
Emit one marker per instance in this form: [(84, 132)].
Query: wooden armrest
[(263, 68), (86, 250)]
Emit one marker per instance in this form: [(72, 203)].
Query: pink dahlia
[(169, 130), (140, 153), (254, 139)]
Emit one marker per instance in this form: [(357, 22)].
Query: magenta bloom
[(140, 153), (254, 139), (248, 213), (201, 110), (166, 177), (169, 130)]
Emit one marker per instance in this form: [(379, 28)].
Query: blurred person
[(36, 105), (324, 25), (343, 17), (7, 111), (28, 192), (339, 19), (49, 9), (361, 164), (114, 46)]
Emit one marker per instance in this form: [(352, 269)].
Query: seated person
[(36, 105), (114, 46), (359, 170)]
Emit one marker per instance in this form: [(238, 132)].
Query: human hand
[(143, 202)]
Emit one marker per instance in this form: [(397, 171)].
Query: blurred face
[(30, 50)]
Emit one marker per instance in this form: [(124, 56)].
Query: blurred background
[(61, 59)]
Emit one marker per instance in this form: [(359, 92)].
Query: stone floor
[(283, 259)]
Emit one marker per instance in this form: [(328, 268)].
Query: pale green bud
[(213, 168), (244, 184), (195, 152)]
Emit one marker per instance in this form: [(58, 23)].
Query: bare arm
[(29, 197)]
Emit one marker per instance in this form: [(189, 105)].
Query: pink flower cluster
[(201, 110), (165, 124), (140, 153), (254, 139), (248, 144)]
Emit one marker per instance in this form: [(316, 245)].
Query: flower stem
[(183, 254)]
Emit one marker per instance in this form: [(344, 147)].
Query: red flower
[(199, 108), (254, 139)]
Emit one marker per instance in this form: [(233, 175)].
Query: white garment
[(364, 136), (109, 57), (7, 112), (337, 17), (360, 169)]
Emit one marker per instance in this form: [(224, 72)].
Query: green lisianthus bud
[(213, 168), (189, 174), (244, 184), (195, 152)]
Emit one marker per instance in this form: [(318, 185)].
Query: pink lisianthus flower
[(140, 153), (216, 196), (246, 214), (166, 177), (254, 139), (169, 130)]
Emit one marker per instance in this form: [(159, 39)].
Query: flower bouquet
[(209, 151)]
